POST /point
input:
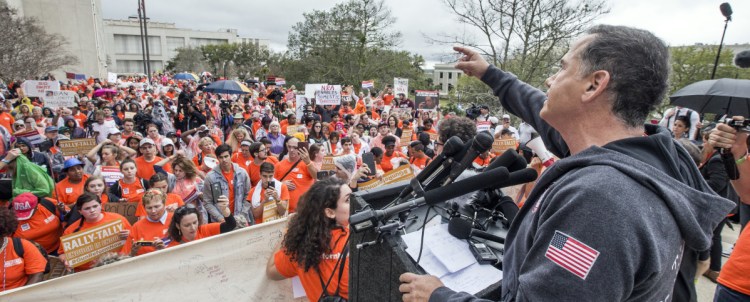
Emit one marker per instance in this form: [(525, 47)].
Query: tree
[(250, 59), (350, 43), (219, 56), (187, 59), (29, 51), (526, 37)]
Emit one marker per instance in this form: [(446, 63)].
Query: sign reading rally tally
[(87, 245), (77, 146), (396, 175)]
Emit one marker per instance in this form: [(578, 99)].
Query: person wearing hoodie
[(75, 130), (611, 219), (38, 158)]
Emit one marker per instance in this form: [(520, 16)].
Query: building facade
[(445, 76)]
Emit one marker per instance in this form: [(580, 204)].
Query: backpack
[(18, 248)]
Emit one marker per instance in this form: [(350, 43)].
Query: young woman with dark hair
[(187, 224), (314, 245)]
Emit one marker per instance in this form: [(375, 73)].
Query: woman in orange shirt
[(314, 247), (130, 188), (17, 271), (187, 224), (89, 206)]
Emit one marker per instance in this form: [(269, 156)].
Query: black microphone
[(509, 159), (726, 10), (516, 178), (369, 218), (479, 144), (462, 229), (742, 60), (435, 168), (508, 207)]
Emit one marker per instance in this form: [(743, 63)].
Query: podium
[(374, 270)]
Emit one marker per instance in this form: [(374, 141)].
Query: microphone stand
[(718, 53)]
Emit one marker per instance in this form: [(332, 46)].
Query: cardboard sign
[(292, 129), (129, 114), (500, 145), (328, 95), (77, 146), (38, 88), (399, 174), (406, 137), (60, 98), (400, 85), (427, 100), (126, 209), (87, 245), (111, 174), (328, 164)]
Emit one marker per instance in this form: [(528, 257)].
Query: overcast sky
[(679, 22)]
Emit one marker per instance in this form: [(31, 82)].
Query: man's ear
[(598, 82)]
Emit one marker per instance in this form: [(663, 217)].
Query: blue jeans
[(725, 294)]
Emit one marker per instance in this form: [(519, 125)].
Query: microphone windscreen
[(453, 146), (459, 228), (509, 159), (726, 10), (483, 141), (517, 178), (742, 60), (478, 182)]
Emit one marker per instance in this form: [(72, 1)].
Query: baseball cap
[(146, 141), (18, 122), (505, 116), (24, 205), (238, 116), (493, 120), (71, 163), (114, 131), (245, 143), (50, 129), (167, 142)]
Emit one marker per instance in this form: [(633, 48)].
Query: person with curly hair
[(17, 271), (314, 247)]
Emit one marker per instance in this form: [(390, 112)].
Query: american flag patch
[(571, 254)]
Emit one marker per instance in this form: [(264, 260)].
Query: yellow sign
[(77, 146), (88, 245), (500, 145), (406, 137), (396, 175)]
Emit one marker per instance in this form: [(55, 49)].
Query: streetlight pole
[(142, 4), (726, 10), (143, 45)]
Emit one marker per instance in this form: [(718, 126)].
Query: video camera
[(743, 125), (473, 112)]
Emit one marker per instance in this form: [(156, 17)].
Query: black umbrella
[(722, 96)]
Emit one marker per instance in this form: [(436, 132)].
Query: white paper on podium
[(450, 259)]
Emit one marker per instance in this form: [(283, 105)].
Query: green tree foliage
[(28, 50), (350, 43), (228, 60), (188, 59)]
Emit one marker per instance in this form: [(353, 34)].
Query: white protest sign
[(302, 101), (60, 98), (328, 95), (401, 85), (38, 88), (111, 77), (310, 89)]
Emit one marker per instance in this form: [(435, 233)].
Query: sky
[(678, 22)]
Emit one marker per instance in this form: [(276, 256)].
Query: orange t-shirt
[(171, 199), (327, 266), (67, 192), (146, 169), (241, 160), (16, 270), (206, 230), (7, 120), (272, 159), (146, 230), (107, 218), (43, 227), (253, 171), (229, 176), (483, 163), (419, 163), (736, 272), (299, 176), (387, 99), (133, 192), (81, 119), (284, 196), (386, 162)]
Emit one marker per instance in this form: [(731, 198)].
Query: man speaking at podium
[(611, 220)]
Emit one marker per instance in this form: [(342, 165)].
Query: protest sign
[(59, 98), (328, 164), (310, 90), (328, 95), (33, 136), (38, 88), (129, 114), (399, 174), (77, 146), (346, 99), (427, 100), (402, 113), (126, 209), (280, 81), (406, 137), (483, 126), (433, 136), (400, 85), (302, 101), (111, 77), (87, 245), (500, 145), (368, 84), (111, 174), (289, 96), (292, 129)]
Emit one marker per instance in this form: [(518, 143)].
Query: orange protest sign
[(396, 175), (126, 209), (87, 245)]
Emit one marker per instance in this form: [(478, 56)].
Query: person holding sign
[(89, 206), (17, 271), (269, 197), (187, 224), (392, 158), (315, 245), (148, 235), (296, 171)]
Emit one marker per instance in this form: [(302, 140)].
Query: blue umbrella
[(186, 76), (225, 86)]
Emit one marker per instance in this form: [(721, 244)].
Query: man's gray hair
[(638, 65)]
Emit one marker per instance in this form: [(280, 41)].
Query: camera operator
[(734, 280)]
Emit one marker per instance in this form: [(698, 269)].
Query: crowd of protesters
[(201, 163)]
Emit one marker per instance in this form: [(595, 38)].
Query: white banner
[(328, 95), (301, 102), (61, 98), (227, 267), (111, 77), (310, 89), (38, 88), (401, 85)]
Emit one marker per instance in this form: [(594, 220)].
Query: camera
[(738, 125), (473, 112), (225, 104)]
